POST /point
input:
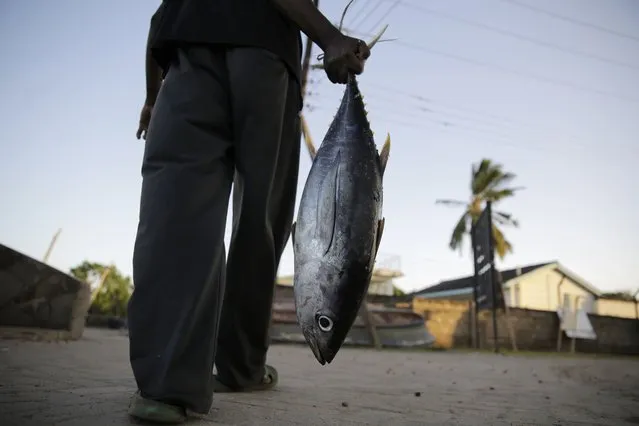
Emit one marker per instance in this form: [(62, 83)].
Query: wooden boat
[(395, 327)]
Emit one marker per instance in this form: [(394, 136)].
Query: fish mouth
[(322, 358)]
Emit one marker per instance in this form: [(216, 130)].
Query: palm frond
[(502, 180), (505, 219), (479, 175), (495, 195), (484, 165), (489, 182), (487, 175), (451, 203), (473, 174), (484, 181), (457, 237), (501, 245)]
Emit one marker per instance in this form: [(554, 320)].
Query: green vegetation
[(398, 291), (113, 296)]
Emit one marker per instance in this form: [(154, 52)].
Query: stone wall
[(37, 296), (450, 323), (616, 335)]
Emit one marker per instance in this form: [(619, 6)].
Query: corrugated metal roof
[(467, 282)]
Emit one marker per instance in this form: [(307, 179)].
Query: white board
[(576, 326)]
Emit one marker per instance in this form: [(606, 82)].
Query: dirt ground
[(88, 383)]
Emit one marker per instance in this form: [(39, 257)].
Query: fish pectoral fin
[(327, 207), (380, 231), (384, 153)]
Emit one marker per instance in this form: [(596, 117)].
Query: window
[(508, 297), (517, 295)]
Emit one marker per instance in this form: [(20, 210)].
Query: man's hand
[(145, 119), (345, 55), (342, 54)]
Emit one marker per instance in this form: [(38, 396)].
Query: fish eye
[(325, 323)]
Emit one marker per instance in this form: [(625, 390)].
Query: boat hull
[(395, 329)]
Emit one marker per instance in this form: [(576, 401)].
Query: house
[(543, 287)]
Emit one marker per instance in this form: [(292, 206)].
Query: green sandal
[(268, 382), (155, 411)]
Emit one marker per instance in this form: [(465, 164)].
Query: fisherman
[(227, 113)]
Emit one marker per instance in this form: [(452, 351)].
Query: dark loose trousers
[(223, 116)]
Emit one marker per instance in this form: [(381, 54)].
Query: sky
[(553, 99)]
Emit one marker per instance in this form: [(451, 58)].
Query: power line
[(421, 111), (385, 15), (572, 20), (503, 69), (423, 121), (355, 10), (428, 11), (512, 71), (363, 18), (445, 119), (485, 115)]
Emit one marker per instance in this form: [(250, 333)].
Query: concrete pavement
[(89, 383)]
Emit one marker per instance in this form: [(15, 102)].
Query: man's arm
[(153, 70), (310, 20)]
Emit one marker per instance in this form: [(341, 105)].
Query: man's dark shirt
[(255, 23)]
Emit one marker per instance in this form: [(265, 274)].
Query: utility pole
[(306, 60), (509, 326), (306, 68)]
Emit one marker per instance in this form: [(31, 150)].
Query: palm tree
[(489, 182)]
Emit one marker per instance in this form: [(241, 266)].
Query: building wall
[(381, 287), (617, 308), (545, 290), (450, 323)]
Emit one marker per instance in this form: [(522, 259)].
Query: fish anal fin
[(380, 231), (384, 153), (327, 207)]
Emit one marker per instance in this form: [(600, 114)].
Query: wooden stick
[(509, 326), (47, 254), (473, 324), (511, 331), (370, 325), (573, 341), (101, 281), (560, 306), (308, 140)]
